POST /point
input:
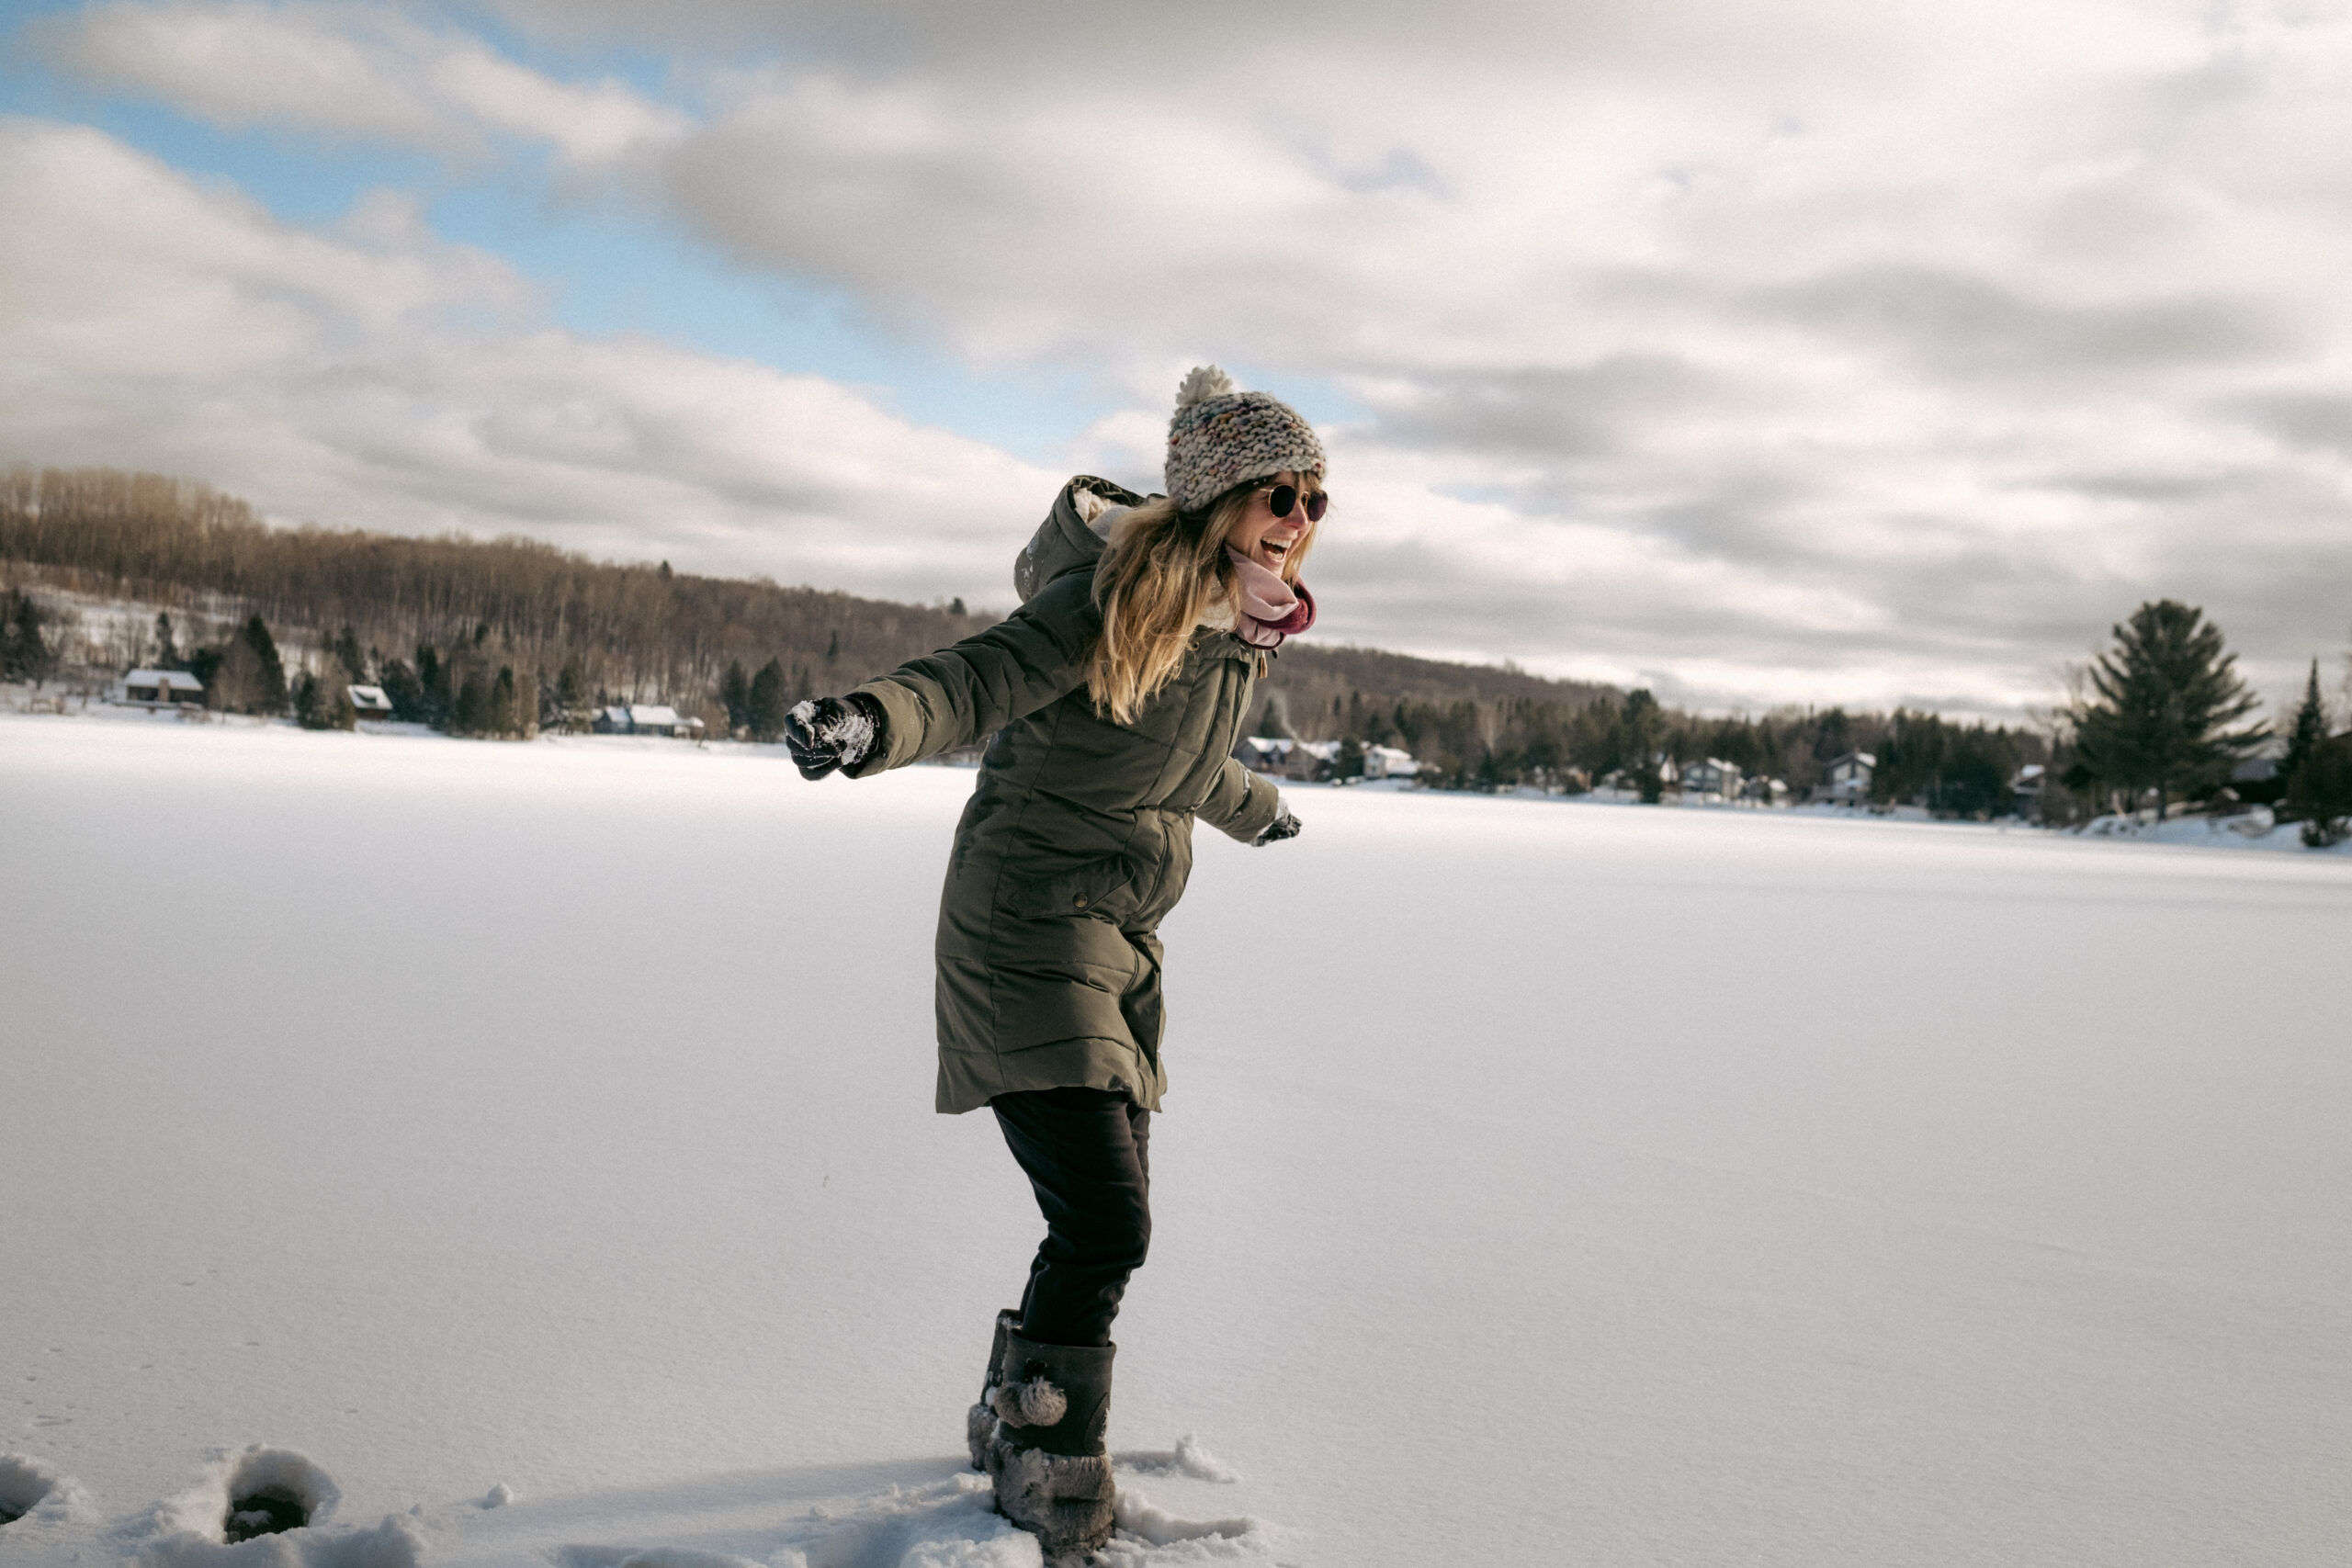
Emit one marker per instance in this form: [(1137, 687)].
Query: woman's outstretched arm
[(1035, 655)]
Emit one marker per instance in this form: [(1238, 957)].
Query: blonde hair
[(1164, 573)]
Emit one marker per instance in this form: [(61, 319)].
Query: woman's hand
[(826, 733), (1282, 827)]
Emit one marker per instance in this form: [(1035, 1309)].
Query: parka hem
[(970, 1079)]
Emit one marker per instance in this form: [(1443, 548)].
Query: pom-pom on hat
[(1220, 438)]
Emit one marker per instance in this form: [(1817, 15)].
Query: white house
[(644, 718), (1712, 776), (162, 688), (2025, 790), (369, 702), (1388, 762), (1311, 761), (1263, 753), (1846, 781)]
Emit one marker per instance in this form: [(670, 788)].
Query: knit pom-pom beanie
[(1220, 438)]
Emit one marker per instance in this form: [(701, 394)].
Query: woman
[(1116, 694)]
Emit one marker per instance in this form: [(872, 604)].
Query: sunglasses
[(1281, 497)]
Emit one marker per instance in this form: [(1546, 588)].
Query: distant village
[(138, 591), (1846, 781)]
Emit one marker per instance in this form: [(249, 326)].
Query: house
[(1263, 753), (2025, 790), (1388, 762), (1311, 762), (2261, 779), (1631, 778), (1765, 792), (369, 702), (162, 688), (1847, 780), (1711, 776), (645, 719)]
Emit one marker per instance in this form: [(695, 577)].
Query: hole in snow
[(271, 1491), (23, 1484), (269, 1510)]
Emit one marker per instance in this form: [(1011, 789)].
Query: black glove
[(1282, 827), (826, 733)]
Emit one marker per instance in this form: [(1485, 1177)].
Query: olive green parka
[(1078, 835)]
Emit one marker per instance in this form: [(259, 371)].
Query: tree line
[(425, 617), (509, 635)]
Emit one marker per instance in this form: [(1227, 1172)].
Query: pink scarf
[(1271, 609)]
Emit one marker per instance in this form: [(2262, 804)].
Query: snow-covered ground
[(1538, 1185)]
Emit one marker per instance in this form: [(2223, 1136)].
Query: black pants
[(1088, 1156)]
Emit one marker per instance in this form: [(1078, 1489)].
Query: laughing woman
[(1116, 694)]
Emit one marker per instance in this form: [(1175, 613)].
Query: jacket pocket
[(1103, 889)]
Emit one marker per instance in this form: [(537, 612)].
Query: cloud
[(351, 70), (1816, 352), (377, 377)]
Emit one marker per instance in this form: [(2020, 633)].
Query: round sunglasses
[(1280, 498)]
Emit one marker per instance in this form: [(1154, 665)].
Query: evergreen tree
[(570, 688), (2320, 793), (2309, 729), (437, 705), (24, 654), (167, 649), (735, 695), (323, 702), (2161, 707), (1641, 725), (346, 650), (766, 705), (407, 694), (269, 694)]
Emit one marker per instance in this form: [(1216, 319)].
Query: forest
[(511, 635)]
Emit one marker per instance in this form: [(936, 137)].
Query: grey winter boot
[(979, 1422), (1047, 1458)]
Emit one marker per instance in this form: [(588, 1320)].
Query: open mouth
[(1276, 549)]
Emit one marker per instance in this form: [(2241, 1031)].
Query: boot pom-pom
[(1036, 1403), (1207, 381)]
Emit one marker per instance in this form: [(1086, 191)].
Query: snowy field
[(1539, 1183)]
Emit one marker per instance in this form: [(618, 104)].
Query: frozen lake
[(1539, 1182)]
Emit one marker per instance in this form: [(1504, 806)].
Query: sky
[(1810, 353)]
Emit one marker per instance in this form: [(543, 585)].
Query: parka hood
[(1074, 533)]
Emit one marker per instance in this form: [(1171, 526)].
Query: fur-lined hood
[(1074, 533)]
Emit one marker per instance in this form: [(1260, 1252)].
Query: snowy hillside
[(530, 1149)]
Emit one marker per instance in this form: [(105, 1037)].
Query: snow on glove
[(1282, 827), (826, 733)]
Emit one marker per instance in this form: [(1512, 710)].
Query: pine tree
[(167, 651), (323, 701), (407, 694), (24, 655), (269, 693), (346, 648), (2160, 708), (2320, 793), (767, 704), (571, 687), (436, 703), (735, 695), (2309, 729)]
